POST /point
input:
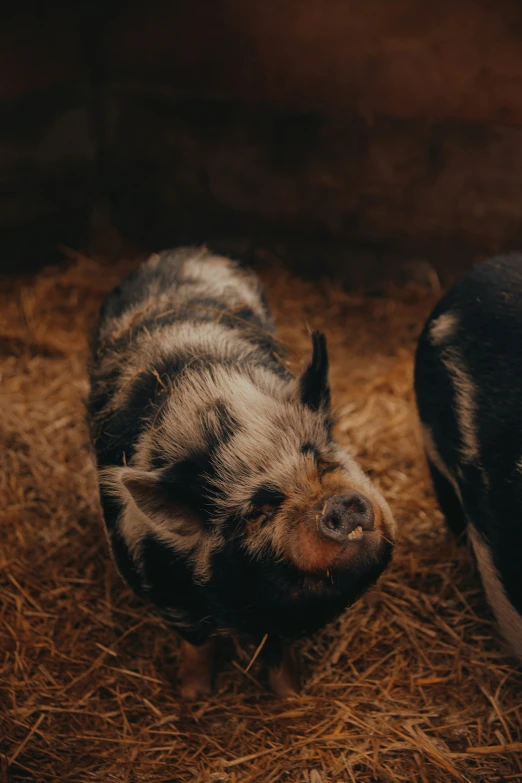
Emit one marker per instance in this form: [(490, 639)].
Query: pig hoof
[(196, 670), (284, 684), (194, 688)]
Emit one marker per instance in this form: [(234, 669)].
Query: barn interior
[(359, 156)]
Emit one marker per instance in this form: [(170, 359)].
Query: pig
[(468, 386), (228, 505)]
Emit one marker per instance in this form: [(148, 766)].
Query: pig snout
[(346, 517), (337, 532)]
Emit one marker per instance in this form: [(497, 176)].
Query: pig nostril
[(346, 517), (334, 521)]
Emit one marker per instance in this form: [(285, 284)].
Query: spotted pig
[(228, 504)]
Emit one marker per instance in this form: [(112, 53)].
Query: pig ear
[(314, 388), (159, 500)]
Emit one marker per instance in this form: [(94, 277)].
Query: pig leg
[(449, 503), (283, 669), (284, 679), (197, 669)]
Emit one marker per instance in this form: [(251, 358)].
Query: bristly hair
[(208, 448)]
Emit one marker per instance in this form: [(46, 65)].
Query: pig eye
[(325, 467), (265, 503), (323, 464), (262, 514)]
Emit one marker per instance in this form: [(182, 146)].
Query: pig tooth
[(357, 533)]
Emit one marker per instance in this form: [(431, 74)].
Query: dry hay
[(411, 684)]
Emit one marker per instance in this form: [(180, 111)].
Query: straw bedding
[(411, 684)]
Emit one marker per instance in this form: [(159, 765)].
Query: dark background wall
[(351, 134)]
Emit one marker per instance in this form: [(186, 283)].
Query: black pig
[(227, 503), (468, 383)]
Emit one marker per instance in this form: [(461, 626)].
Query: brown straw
[(411, 684)]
